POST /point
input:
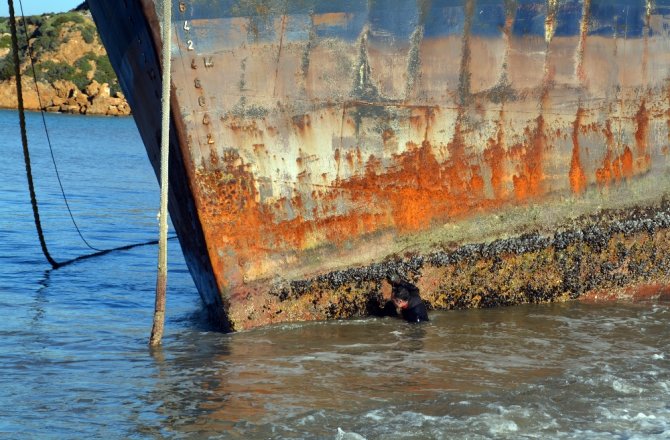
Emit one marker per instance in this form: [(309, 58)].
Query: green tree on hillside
[(47, 33)]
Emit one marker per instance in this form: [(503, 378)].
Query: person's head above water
[(399, 291), (405, 297), (401, 297)]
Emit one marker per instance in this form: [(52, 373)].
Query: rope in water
[(26, 154), (24, 137), (161, 280), (46, 131)]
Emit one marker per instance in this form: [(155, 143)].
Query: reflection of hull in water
[(318, 146)]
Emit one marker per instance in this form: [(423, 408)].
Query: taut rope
[(161, 280)]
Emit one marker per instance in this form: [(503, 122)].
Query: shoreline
[(15, 109), (64, 96), (69, 67)]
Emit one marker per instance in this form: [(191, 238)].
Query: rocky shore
[(73, 74), (63, 96)]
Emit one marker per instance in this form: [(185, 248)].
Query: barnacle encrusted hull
[(493, 152)]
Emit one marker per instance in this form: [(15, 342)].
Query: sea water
[(75, 363)]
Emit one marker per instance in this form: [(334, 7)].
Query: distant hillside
[(73, 71)]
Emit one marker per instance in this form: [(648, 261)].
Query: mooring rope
[(24, 136), (26, 154), (46, 131), (161, 279)]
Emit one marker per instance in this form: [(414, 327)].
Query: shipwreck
[(493, 152)]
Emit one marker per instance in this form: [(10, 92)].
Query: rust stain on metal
[(495, 155), (550, 20), (583, 31), (528, 180), (611, 168), (368, 143), (332, 19), (641, 135), (464, 73), (302, 123), (577, 176), (284, 20)]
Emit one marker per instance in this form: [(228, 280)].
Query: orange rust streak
[(641, 134), (495, 156), (457, 161), (477, 182), (232, 214), (420, 190), (528, 183), (605, 174), (611, 168), (412, 192), (521, 187), (576, 175)]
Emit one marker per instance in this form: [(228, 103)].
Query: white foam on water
[(501, 422), (359, 345), (408, 420), (377, 415), (658, 356), (310, 418), (551, 424), (642, 416), (503, 427), (344, 435), (661, 435), (623, 386), (418, 419), (649, 420)]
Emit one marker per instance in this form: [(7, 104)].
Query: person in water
[(405, 296)]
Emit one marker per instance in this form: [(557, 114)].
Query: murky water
[(75, 362)]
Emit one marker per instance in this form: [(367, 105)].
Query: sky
[(36, 7)]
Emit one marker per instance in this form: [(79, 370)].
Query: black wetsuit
[(415, 311)]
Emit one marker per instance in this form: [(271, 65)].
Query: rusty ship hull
[(494, 152)]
